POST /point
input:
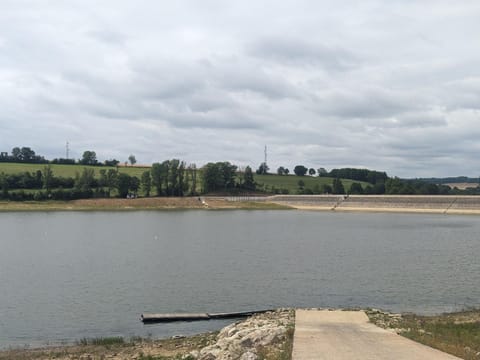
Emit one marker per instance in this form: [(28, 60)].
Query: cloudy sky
[(390, 85)]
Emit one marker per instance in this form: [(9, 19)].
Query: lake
[(69, 275)]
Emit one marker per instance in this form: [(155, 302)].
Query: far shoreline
[(408, 204)]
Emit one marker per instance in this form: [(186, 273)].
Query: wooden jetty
[(157, 318)]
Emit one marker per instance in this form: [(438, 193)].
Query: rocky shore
[(261, 336), (264, 336)]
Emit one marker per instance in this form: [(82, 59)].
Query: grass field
[(290, 182), (66, 170)]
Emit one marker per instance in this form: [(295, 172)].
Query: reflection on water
[(64, 276)]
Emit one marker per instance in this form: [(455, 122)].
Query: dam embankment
[(442, 204)]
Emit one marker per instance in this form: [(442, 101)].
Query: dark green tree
[(16, 154), (311, 171), (111, 180), (248, 180), (132, 160), (134, 184), (212, 177), (4, 185), (159, 173), (103, 178), (146, 182), (157, 180), (165, 171), (192, 170), (47, 176), (356, 189), (89, 158), (337, 187), (300, 170), (123, 184), (322, 172), (301, 185), (27, 154), (219, 176), (263, 169), (85, 181)]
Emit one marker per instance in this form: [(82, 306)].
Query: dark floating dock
[(158, 318)]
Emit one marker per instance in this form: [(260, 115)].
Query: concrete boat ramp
[(338, 335)]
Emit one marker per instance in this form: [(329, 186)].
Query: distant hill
[(451, 180)]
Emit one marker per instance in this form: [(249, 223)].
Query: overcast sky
[(390, 85)]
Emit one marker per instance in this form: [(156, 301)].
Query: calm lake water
[(65, 276)]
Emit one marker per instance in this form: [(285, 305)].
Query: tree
[(300, 170), (89, 158), (301, 184), (111, 180), (146, 182), (192, 169), (311, 171), (123, 184), (16, 154), (229, 172), (217, 176), (134, 184), (47, 177), (248, 181), (4, 185), (286, 171), (27, 154), (103, 178), (337, 187), (281, 170), (111, 162), (322, 172), (132, 160), (156, 172), (85, 181), (356, 189), (326, 189), (212, 177), (263, 169)]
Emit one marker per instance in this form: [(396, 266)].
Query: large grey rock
[(240, 341)]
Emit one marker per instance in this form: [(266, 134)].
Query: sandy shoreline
[(421, 204), (390, 210), (453, 205)]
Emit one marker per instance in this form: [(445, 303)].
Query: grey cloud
[(416, 120), (323, 88), (107, 37), (213, 120), (364, 103), (300, 52)]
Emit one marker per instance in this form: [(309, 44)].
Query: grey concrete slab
[(323, 334)]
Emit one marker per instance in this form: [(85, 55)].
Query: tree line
[(177, 178), (28, 156)]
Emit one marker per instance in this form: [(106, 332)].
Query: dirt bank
[(153, 203)]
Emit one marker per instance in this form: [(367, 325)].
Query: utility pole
[(265, 155), (67, 150), (265, 161)]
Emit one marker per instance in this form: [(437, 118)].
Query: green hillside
[(66, 170), (290, 182), (267, 183)]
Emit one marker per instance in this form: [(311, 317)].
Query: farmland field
[(67, 170), (290, 182)]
